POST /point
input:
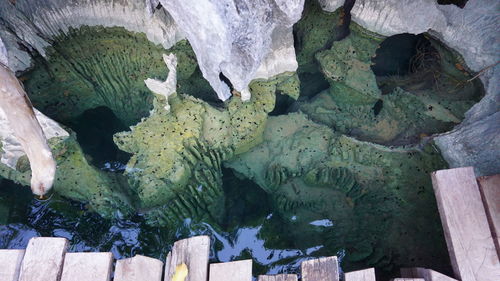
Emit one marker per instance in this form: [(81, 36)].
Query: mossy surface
[(104, 192), (432, 99), (95, 66), (375, 196), (176, 155)]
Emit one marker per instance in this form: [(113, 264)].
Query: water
[(244, 233)]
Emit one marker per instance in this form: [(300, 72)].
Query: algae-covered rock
[(432, 99), (369, 192), (315, 31), (175, 167), (76, 179)]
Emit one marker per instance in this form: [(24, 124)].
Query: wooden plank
[(194, 253), (426, 274), (10, 264), (361, 275), (322, 269), (470, 245), (278, 277), (138, 268), (87, 267), (43, 259), (231, 271), (490, 193)]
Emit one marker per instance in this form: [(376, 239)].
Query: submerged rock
[(176, 164), (430, 99), (313, 173), (472, 31)]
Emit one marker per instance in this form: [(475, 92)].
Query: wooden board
[(10, 264), (194, 253), (361, 275), (490, 192), (278, 277), (138, 268), (231, 271), (468, 237), (322, 269), (43, 259), (87, 267), (426, 274)]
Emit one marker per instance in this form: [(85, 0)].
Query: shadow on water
[(249, 230)]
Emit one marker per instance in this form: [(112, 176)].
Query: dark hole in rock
[(458, 3), (282, 105), (378, 107), (402, 54), (95, 129)]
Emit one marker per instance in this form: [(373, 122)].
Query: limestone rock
[(36, 23), (233, 42), (472, 31)]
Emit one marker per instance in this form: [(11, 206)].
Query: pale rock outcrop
[(234, 40), (168, 87)]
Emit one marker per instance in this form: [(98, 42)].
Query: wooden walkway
[(469, 213)]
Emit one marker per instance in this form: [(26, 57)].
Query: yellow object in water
[(181, 272)]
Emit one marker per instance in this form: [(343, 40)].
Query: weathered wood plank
[(10, 261), (231, 271), (408, 279), (322, 269), (490, 192), (426, 274), (361, 275), (87, 267), (43, 259), (138, 268), (278, 277), (470, 245), (194, 253)]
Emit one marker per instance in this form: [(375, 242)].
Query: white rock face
[(330, 5), (36, 22), (169, 86), (3, 54), (234, 37)]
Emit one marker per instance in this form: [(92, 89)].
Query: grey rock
[(236, 37), (331, 5)]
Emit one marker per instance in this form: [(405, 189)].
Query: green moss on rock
[(76, 179), (370, 192), (177, 155), (400, 114)]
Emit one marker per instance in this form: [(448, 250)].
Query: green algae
[(76, 179), (404, 110), (369, 191)]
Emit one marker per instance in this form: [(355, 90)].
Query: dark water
[(248, 231)]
